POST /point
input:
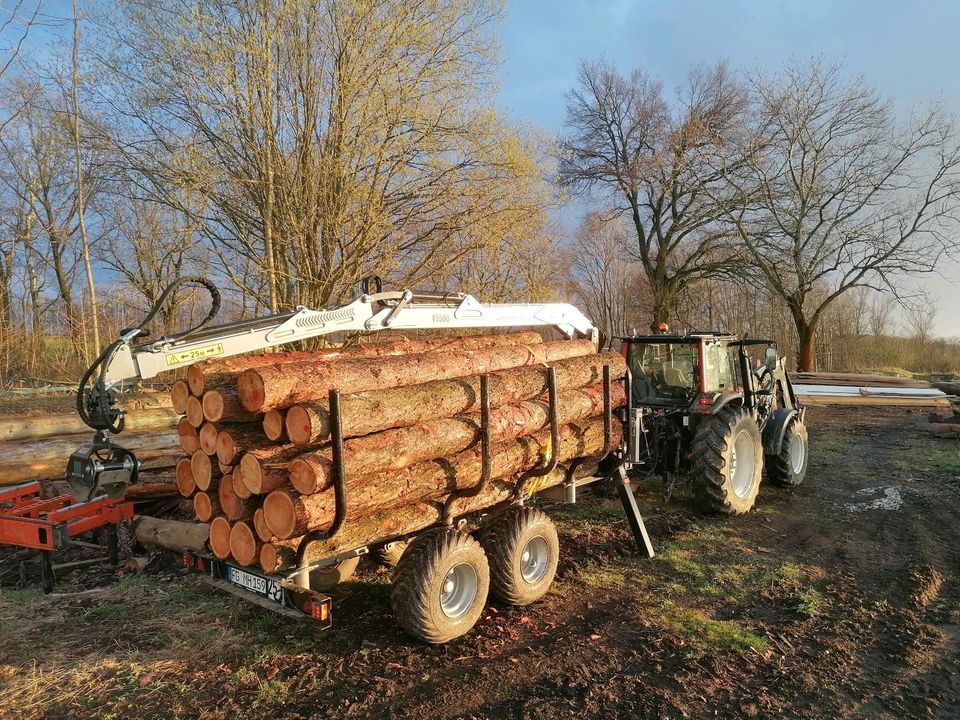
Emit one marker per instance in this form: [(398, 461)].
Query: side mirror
[(770, 358)]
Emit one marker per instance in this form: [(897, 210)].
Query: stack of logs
[(257, 430)]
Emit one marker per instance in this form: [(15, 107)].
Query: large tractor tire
[(789, 468), (523, 550), (728, 460), (440, 585)]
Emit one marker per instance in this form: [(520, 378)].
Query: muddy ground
[(837, 600)]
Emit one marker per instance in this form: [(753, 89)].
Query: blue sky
[(909, 50)]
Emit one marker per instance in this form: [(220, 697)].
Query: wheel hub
[(534, 559), (458, 590), (742, 464), (798, 453)]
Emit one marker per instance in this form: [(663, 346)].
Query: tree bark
[(405, 446), (367, 412), (288, 514), (266, 388), (211, 374), (170, 534), (37, 427)]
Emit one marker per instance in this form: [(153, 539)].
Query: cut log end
[(208, 438), (184, 477), (250, 387), (194, 411), (305, 473), (226, 448), (259, 477), (260, 526), (280, 514), (220, 537), (232, 505), (300, 425), (189, 439), (274, 425), (179, 392), (205, 506), (204, 470), (212, 405), (195, 380), (244, 545)]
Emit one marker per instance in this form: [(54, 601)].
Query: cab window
[(664, 373), (719, 368)]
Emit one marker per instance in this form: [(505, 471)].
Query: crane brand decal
[(195, 354)]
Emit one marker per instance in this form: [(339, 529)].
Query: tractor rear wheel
[(440, 585), (789, 468), (728, 460)]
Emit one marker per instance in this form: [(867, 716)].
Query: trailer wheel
[(326, 578), (789, 468), (728, 460), (440, 585), (523, 549), (389, 554)]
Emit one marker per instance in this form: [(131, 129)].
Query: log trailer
[(442, 578)]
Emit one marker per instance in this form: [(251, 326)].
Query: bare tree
[(878, 319), (664, 167), (839, 196)]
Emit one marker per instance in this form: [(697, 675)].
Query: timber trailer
[(444, 574)]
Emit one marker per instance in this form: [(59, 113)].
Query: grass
[(722, 635)]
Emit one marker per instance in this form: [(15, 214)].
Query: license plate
[(255, 583)]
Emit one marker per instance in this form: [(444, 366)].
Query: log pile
[(261, 470)]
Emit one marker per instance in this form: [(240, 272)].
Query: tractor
[(701, 408)]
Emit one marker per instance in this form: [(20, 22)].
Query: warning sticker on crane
[(195, 354)]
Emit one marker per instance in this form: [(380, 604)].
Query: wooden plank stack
[(257, 430)]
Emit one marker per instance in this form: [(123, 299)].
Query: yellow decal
[(194, 355)]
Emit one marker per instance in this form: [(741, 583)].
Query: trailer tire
[(440, 585), (728, 460), (389, 554), (789, 467), (327, 578), (523, 550)]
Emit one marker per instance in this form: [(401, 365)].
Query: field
[(838, 600)]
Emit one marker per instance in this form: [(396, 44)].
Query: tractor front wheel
[(789, 467), (728, 460)]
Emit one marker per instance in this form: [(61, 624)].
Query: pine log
[(232, 505), (186, 485), (223, 405), (194, 411), (208, 438), (281, 386), (368, 412), (46, 459), (234, 440), (37, 427), (397, 522), (205, 471), (274, 425), (287, 513), (170, 534), (402, 447), (205, 506), (239, 488), (179, 392), (189, 437), (244, 544), (260, 526), (263, 476), (153, 489), (214, 373), (220, 537), (278, 555)]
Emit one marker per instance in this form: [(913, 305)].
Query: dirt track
[(839, 600)]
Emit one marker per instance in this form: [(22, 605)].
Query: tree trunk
[(212, 374), (170, 534), (37, 427), (288, 514), (368, 412), (807, 354), (265, 388), (405, 446)]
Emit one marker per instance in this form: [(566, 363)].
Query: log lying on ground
[(401, 447), (170, 534), (266, 388), (367, 412), (189, 437), (943, 430), (36, 427), (206, 376), (223, 405), (395, 522), (47, 458), (287, 513), (244, 543), (274, 425)]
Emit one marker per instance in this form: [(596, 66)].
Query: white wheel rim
[(458, 590), (798, 453), (534, 559), (743, 463)]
